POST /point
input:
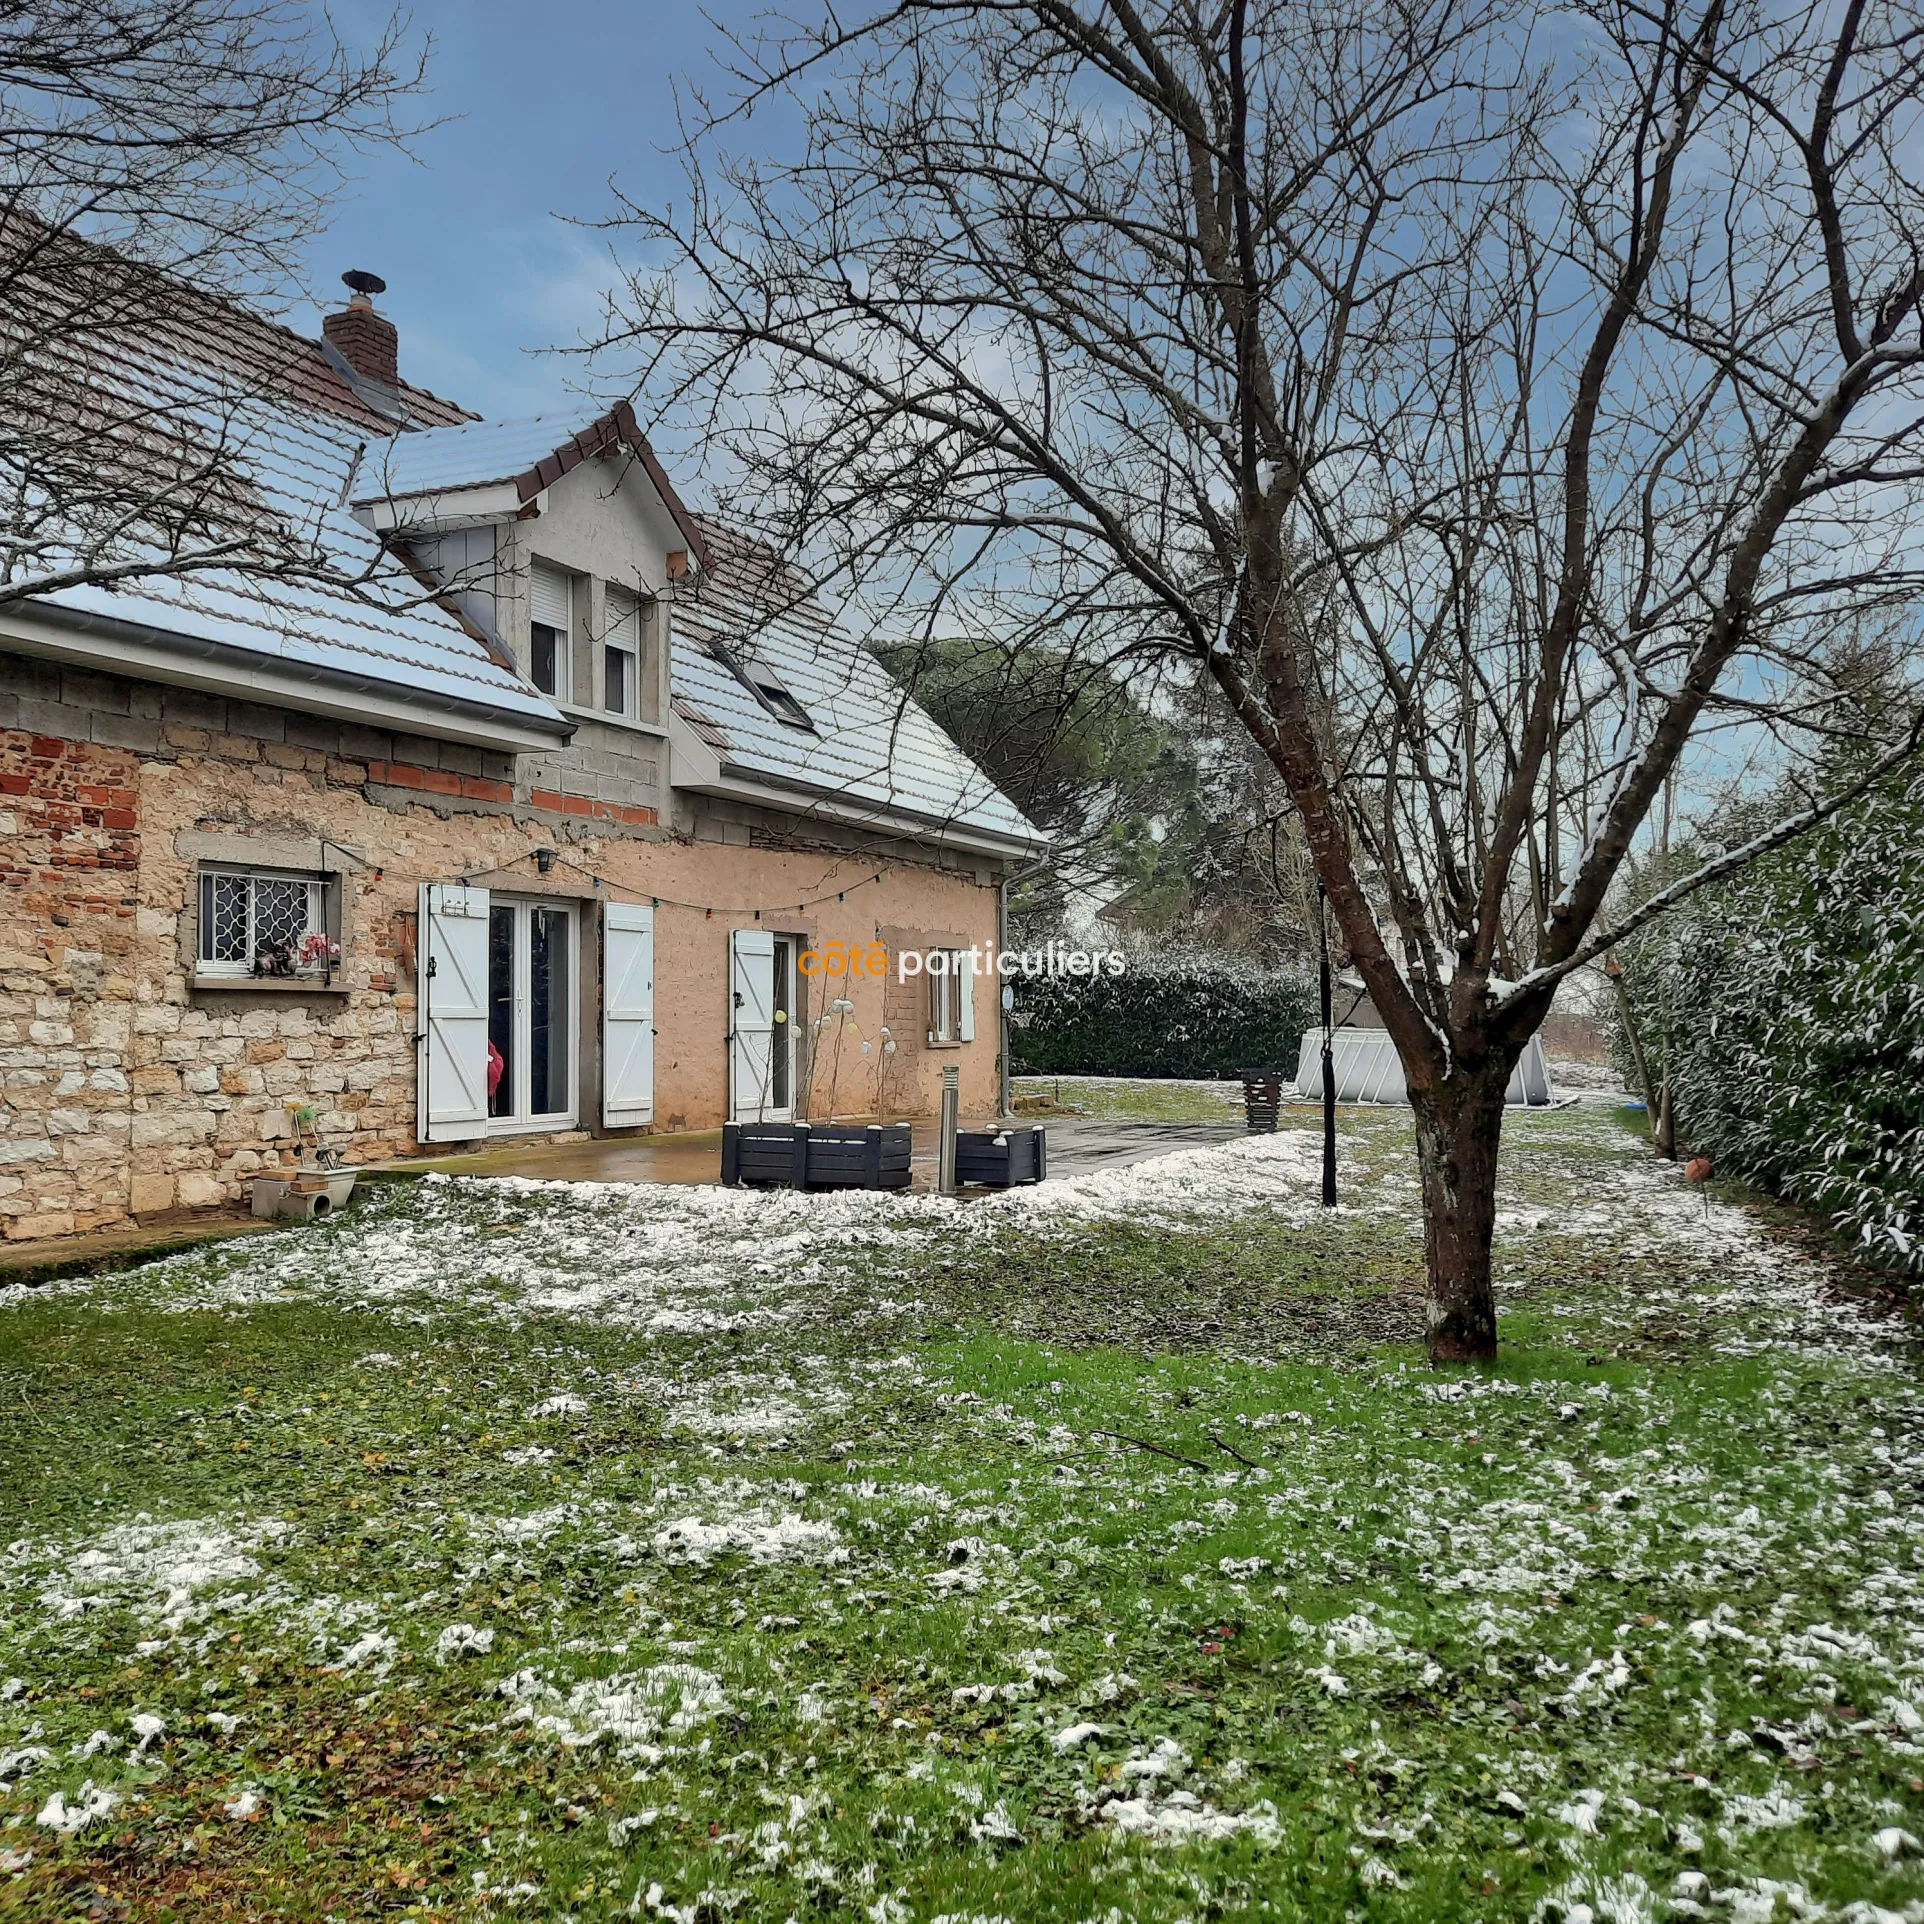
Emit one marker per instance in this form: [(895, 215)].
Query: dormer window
[(550, 625), (766, 686)]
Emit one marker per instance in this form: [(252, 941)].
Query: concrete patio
[(1077, 1144)]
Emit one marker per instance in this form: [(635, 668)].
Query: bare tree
[(1501, 406), (157, 156)]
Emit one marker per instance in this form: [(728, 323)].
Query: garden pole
[(1329, 1058), (945, 1144)]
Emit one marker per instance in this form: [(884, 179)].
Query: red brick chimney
[(363, 337)]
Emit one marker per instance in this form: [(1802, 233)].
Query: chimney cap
[(362, 282)]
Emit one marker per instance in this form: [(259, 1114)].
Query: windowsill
[(530, 1125), (268, 985), (631, 723), (947, 1042)]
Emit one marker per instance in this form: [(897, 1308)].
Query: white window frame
[(208, 968), (622, 636), (947, 994), (662, 618), (564, 629)]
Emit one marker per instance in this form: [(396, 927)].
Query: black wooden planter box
[(1262, 1098), (1001, 1158), (817, 1155)]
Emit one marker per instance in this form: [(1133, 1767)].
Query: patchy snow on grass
[(763, 1536), (162, 1571), (1183, 1818), (680, 1259), (88, 1805), (1640, 1607), (462, 1640), (631, 1708), (1283, 1171), (757, 1406)]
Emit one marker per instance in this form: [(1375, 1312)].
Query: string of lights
[(627, 890)]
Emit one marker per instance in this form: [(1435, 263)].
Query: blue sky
[(544, 102)]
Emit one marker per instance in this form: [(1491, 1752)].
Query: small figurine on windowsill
[(274, 958)]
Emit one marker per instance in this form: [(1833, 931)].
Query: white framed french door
[(533, 952), (761, 1048)]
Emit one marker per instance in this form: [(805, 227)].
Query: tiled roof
[(467, 455), (248, 352), (290, 431), (874, 745), (527, 455), (302, 446)]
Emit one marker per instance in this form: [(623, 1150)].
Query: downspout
[(1026, 873)]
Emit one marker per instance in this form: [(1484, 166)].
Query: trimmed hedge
[(1788, 1009), (1188, 1020)]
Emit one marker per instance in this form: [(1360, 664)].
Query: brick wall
[(69, 861)]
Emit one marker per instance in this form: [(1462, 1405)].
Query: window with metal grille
[(256, 923)]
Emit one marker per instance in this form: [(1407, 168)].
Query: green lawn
[(1114, 1099), (525, 1550)]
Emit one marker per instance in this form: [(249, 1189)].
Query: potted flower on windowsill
[(317, 955)]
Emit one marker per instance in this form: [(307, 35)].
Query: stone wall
[(126, 1087)]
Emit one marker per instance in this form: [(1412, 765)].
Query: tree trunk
[(1637, 1056), (1458, 1130)]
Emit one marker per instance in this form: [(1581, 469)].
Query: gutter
[(143, 651), (837, 802)]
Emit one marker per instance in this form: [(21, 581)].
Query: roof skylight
[(766, 686)]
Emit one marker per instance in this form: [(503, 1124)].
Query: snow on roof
[(321, 594), (527, 455), (872, 744), (469, 455), (301, 447)]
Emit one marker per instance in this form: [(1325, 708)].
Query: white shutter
[(550, 598), (452, 1102), (751, 1051), (621, 684), (627, 1015), (965, 995), (624, 621)]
